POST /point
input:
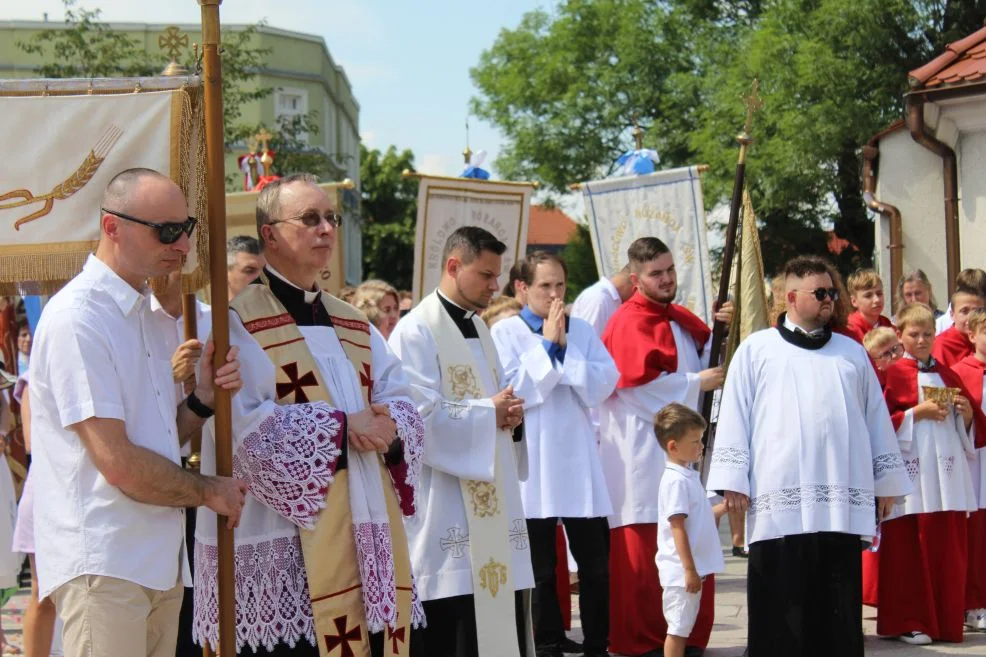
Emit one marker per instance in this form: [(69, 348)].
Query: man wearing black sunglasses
[(806, 446), (107, 425)]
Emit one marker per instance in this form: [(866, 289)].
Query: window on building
[(291, 102)]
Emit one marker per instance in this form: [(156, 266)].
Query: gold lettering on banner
[(464, 383), (687, 251), (617, 254), (492, 575), (484, 498), (83, 174), (649, 212)]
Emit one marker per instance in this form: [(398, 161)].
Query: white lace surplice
[(937, 456), (807, 435), (288, 453)]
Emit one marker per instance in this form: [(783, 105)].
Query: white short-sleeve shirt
[(681, 493), (99, 351)]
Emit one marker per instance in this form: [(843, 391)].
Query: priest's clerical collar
[(461, 316), (310, 295), (305, 307), (794, 334)]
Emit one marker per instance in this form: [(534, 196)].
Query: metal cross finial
[(753, 103), (263, 137), (172, 41)]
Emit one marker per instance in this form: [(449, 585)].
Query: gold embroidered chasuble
[(340, 598)]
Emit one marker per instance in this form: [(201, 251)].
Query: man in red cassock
[(952, 344), (660, 349)]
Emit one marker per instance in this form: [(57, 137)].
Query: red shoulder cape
[(639, 338), (972, 371), (951, 346), (901, 393), (857, 322)]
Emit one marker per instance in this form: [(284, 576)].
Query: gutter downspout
[(919, 132), (870, 154)]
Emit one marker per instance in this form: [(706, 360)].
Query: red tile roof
[(963, 61), (549, 226)]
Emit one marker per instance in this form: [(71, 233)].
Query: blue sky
[(408, 62)]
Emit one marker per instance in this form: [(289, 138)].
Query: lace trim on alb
[(290, 458), (731, 457), (801, 497)]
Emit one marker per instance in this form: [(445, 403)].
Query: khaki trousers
[(110, 617)]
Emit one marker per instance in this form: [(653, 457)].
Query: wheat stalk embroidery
[(79, 179)]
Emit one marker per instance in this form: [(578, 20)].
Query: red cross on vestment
[(295, 384), (344, 637), (396, 637), (366, 381)]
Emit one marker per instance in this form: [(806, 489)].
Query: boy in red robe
[(867, 299), (952, 345), (972, 371), (924, 544)]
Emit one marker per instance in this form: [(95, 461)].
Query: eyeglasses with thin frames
[(312, 219), (821, 292), (895, 351), (167, 233)]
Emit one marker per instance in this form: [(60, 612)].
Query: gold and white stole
[(485, 502), (349, 596)]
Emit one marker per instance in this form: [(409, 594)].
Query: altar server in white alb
[(805, 442), (469, 543), (597, 303), (327, 435), (660, 349), (561, 369)]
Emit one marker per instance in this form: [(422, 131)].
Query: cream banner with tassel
[(445, 204), (664, 204), (65, 146)]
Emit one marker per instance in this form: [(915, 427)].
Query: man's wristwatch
[(196, 406)]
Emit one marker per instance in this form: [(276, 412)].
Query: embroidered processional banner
[(665, 204), (66, 140), (445, 204)]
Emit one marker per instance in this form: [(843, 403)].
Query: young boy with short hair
[(884, 348), (952, 344), (687, 539), (972, 371), (867, 299), (924, 544)]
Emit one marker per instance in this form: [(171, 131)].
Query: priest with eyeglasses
[(805, 445), (326, 434)]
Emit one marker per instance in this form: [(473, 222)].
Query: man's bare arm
[(150, 478), (189, 423)]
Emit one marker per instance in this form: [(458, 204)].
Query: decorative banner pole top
[(637, 134), (753, 103)]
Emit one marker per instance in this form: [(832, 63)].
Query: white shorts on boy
[(680, 610)]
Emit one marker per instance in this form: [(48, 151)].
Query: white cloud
[(369, 139), (435, 163)]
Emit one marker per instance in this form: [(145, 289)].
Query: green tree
[(580, 261), (389, 210), (89, 48), (293, 154), (565, 87)]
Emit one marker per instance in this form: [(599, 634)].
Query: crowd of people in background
[(484, 438)]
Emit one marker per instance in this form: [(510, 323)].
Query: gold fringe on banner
[(45, 268)]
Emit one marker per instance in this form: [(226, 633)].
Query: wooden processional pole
[(719, 329), (216, 188)]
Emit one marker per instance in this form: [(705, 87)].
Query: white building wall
[(972, 198), (910, 178)]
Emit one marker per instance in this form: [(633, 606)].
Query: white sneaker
[(915, 638), (981, 620), (975, 619)]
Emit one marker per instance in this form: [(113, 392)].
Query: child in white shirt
[(687, 539)]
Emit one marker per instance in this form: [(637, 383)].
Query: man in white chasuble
[(327, 435), (470, 549)]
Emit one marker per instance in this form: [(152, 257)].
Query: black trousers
[(451, 630), (588, 539), (805, 596), (186, 647)]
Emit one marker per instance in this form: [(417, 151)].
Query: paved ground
[(729, 632)]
